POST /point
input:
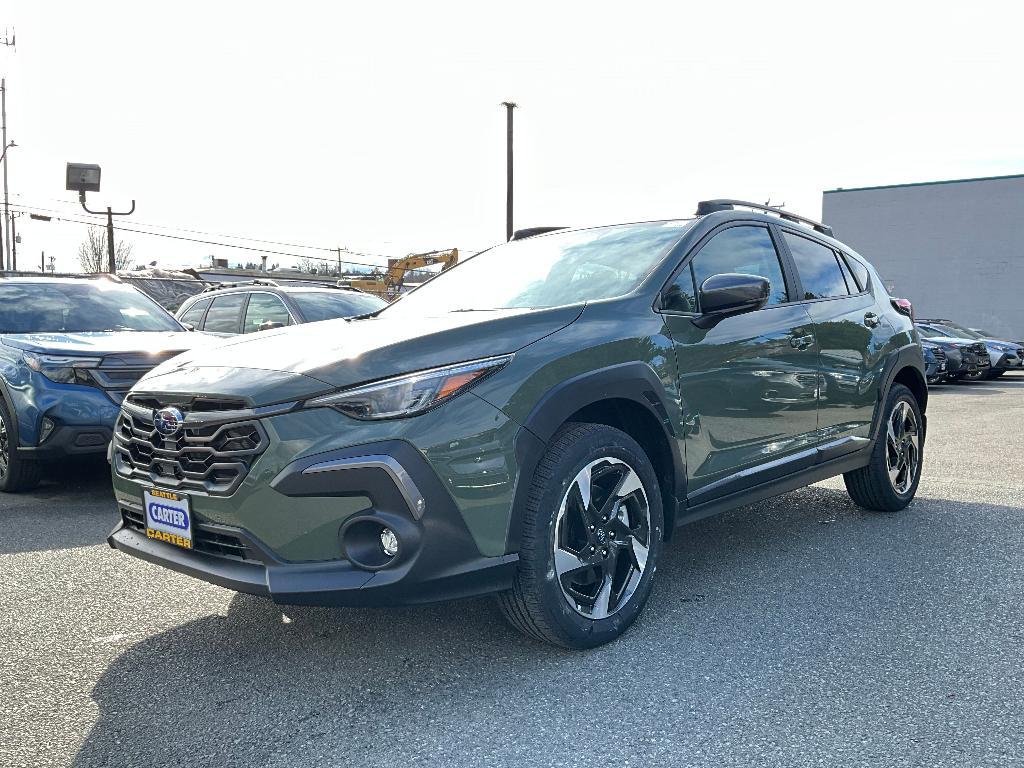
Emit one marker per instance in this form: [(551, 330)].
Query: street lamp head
[(83, 177)]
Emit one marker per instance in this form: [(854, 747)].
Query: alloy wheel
[(5, 447), (903, 447), (602, 537)]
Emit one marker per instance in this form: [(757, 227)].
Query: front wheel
[(591, 535), (889, 481), (16, 473)]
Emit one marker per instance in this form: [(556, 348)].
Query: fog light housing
[(388, 542), (46, 429)]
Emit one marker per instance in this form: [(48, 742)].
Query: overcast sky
[(377, 126)]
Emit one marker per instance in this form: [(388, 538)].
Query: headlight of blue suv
[(410, 394), (62, 368)]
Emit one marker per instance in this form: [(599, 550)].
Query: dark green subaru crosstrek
[(534, 422)]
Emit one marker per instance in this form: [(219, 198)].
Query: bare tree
[(92, 254), (311, 266)]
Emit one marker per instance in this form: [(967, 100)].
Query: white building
[(954, 248)]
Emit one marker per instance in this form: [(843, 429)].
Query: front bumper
[(437, 557), (1007, 361), (69, 440)]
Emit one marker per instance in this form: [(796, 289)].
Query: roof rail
[(705, 207), (222, 286), (522, 234), (345, 285)]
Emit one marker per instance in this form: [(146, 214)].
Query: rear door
[(749, 385), (852, 335)]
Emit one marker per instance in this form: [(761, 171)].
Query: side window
[(820, 273), (263, 309), (747, 250), (224, 313), (681, 296), (847, 274), (860, 272), (194, 315)]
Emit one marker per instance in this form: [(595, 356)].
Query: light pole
[(5, 241), (85, 177), (509, 106)]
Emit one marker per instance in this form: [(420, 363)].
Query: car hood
[(303, 360), (103, 343), (952, 340)]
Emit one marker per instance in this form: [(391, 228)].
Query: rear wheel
[(889, 481), (16, 473), (591, 536)]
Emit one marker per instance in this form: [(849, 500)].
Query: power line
[(334, 250), (93, 223)]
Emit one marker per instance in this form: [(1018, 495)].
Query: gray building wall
[(954, 248)]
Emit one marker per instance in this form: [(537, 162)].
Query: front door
[(749, 386)]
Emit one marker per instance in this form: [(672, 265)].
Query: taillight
[(904, 307)]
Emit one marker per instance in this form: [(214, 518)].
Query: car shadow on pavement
[(760, 595), (72, 507)]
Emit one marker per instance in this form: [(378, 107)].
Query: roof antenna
[(768, 204)]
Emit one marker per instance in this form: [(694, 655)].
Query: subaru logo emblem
[(168, 421)]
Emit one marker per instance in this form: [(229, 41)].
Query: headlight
[(62, 368), (410, 394)]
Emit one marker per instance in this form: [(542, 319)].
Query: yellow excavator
[(389, 284)]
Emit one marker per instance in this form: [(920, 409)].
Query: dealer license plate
[(168, 517)]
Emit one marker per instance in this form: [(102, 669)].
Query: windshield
[(956, 330), (953, 330), (89, 305), (549, 270), (317, 306)]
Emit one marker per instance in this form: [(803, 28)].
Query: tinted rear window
[(860, 272), (820, 273)]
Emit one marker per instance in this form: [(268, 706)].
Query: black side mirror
[(730, 294), (189, 326), (269, 324)]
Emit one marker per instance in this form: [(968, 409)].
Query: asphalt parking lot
[(797, 632)]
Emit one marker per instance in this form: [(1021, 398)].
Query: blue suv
[(70, 348)]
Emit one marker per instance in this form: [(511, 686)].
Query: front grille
[(204, 540), (940, 355), (115, 375), (211, 453)]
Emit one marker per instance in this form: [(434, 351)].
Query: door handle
[(801, 342), (871, 320)]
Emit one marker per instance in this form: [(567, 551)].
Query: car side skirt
[(760, 488)]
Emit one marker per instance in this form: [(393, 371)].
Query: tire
[(873, 487), (993, 375), (16, 473), (550, 597)]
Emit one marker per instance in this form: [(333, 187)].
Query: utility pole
[(42, 261), (339, 261), (3, 130), (14, 245), (509, 106)]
